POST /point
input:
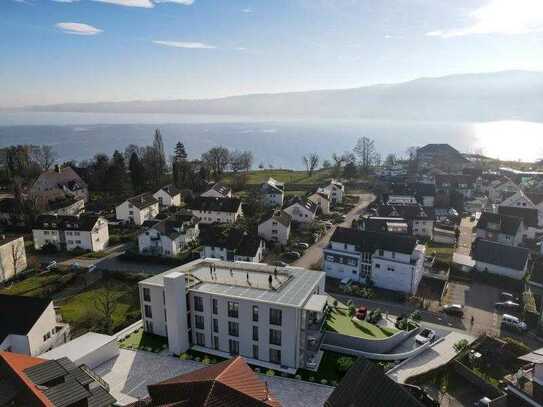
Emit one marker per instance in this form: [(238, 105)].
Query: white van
[(512, 322)]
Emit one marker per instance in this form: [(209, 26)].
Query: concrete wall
[(501, 271), (376, 346), (486, 388)]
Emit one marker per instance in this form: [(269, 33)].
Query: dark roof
[(143, 201), (535, 197), (442, 149), (215, 204), (278, 216), (505, 224), (176, 225), (83, 222), (8, 205), (529, 215), (19, 314), (221, 188), (380, 224), (500, 255), (371, 241), (408, 212), (7, 239), (366, 385), (306, 203), (231, 383), (238, 241), (171, 190), (62, 203), (423, 189)]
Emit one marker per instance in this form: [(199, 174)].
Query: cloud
[(145, 3), (78, 29), (183, 44), (500, 17), (247, 10)]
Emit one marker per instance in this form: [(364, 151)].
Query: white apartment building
[(503, 229), (138, 209), (275, 227), (216, 210), (273, 193), (301, 210), (30, 325), (393, 262), (218, 190), (85, 232), (170, 236), (168, 196), (12, 257), (271, 316), (336, 190)]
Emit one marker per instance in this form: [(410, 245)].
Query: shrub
[(517, 347), (206, 361), (197, 359), (270, 372), (298, 377), (311, 379), (344, 363), (324, 381), (461, 345)]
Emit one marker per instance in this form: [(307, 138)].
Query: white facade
[(225, 319), (12, 258), (273, 193), (94, 240), (501, 270), (300, 213), (218, 191), (217, 216), (274, 231), (222, 253), (336, 190), (151, 241), (500, 237), (166, 200), (322, 201), (422, 228), (130, 213)]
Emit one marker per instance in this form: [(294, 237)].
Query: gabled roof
[(171, 190), (64, 177), (508, 225), (371, 241), (529, 215), (535, 197), (221, 188), (226, 384), (54, 222), (143, 201), (241, 243), (272, 186), (304, 203), (209, 203), (408, 212), (19, 314), (502, 255), (366, 385), (277, 215), (175, 225)]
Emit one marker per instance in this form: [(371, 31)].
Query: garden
[(141, 340), (340, 319)]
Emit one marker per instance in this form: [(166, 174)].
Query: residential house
[(391, 261), (463, 184), (170, 236), (519, 199), (216, 210), (321, 197), (336, 190), (419, 219), (230, 244), (382, 224), (500, 228), (301, 210), (10, 213), (273, 193), (231, 383), (86, 232), (524, 387), (500, 259), (441, 156), (66, 207), (529, 216), (35, 382), (59, 183), (537, 200), (30, 325), (138, 209), (272, 316), (275, 227), (168, 196), (501, 189), (425, 193), (12, 257), (218, 190)]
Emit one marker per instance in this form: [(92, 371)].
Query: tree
[(326, 164), (241, 160), (217, 160), (116, 179), (391, 160), (461, 345), (106, 304), (18, 255), (137, 173), (349, 171), (365, 151), (180, 153), (156, 158), (311, 162), (45, 156)]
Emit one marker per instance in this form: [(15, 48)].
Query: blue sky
[(101, 50)]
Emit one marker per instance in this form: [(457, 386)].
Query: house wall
[(518, 200), (274, 231), (501, 271), (207, 217), (158, 317), (397, 274), (166, 200), (273, 199), (10, 253), (423, 228), (129, 213), (41, 237), (45, 325), (71, 210), (510, 240), (336, 193), (300, 214), (322, 202)]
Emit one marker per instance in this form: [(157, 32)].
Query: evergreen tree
[(116, 178), (180, 152), (137, 173)]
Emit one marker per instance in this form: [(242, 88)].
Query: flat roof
[(316, 303), (463, 260), (291, 286), (79, 347)]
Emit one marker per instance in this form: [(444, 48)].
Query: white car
[(426, 335)]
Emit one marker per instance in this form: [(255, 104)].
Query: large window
[(233, 309), (275, 337), (215, 306), (233, 328), (233, 347), (199, 321), (255, 313), (200, 339), (275, 356), (275, 316), (255, 333), (215, 325), (148, 311), (146, 294), (198, 304)]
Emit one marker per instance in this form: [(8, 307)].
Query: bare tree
[(106, 304), (365, 151), (311, 162), (241, 160), (217, 160), (18, 255), (45, 157)]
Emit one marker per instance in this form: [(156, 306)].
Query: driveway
[(313, 255), (466, 236)]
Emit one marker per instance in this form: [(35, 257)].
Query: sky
[(56, 51)]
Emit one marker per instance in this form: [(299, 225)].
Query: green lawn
[(142, 340), (443, 253), (339, 321), (38, 285), (328, 369), (286, 176)]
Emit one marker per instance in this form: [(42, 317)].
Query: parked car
[(505, 296), (454, 309), (302, 245), (361, 313), (513, 323), (426, 335), (484, 402), (345, 282), (508, 306), (279, 263), (52, 265), (292, 255)]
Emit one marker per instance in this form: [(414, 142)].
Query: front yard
[(339, 321), (443, 253), (144, 341)]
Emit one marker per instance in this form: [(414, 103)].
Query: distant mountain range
[(504, 95)]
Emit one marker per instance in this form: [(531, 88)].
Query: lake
[(274, 141)]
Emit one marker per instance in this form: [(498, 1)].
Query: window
[(198, 304), (275, 356), (148, 311), (233, 328), (275, 337), (215, 325), (393, 255), (199, 321), (275, 316), (200, 339), (216, 342), (215, 306), (255, 333), (255, 351), (255, 313), (46, 336), (377, 266), (233, 347), (233, 309), (146, 294)]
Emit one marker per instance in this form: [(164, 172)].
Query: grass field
[(142, 340), (443, 253), (339, 321), (286, 176), (38, 285)]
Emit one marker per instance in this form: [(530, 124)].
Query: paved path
[(313, 255), (129, 374), (466, 236), (438, 355)]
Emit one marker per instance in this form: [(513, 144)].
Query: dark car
[(456, 310), (507, 305)]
